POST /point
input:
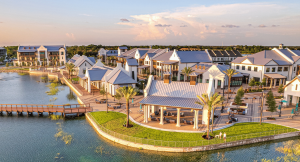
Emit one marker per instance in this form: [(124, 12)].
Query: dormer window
[(28, 47)]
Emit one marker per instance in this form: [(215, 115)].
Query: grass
[(114, 121), (75, 79)]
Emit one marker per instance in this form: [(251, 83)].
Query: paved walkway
[(252, 116)]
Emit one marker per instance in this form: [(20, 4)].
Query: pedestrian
[(224, 136), (220, 135)]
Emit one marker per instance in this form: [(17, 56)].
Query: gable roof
[(81, 60), (92, 59), (132, 62), (96, 74), (297, 77), (122, 47), (193, 56), (121, 78)]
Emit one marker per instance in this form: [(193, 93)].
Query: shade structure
[(293, 112), (132, 100), (141, 107), (279, 107)]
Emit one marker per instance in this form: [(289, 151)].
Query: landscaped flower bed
[(271, 118)]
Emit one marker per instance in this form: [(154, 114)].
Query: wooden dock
[(40, 109)]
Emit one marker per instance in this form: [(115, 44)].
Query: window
[(84, 71), (268, 70), (273, 69), (243, 67), (84, 64), (237, 66), (42, 53), (255, 68), (221, 59), (285, 69), (279, 69), (132, 75), (62, 53), (294, 68), (249, 68), (62, 57), (207, 80)]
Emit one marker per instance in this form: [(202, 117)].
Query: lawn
[(114, 121)]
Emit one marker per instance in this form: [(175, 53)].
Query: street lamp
[(262, 104)]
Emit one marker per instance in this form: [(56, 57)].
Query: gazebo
[(167, 94)]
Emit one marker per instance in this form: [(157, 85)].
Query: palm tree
[(127, 93), (230, 73), (187, 71), (69, 67), (210, 103)]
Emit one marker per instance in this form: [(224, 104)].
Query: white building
[(27, 55), (106, 53), (276, 65), (99, 75), (82, 63), (292, 91)]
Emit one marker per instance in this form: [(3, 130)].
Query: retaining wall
[(189, 149)]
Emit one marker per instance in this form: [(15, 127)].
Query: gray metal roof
[(297, 52), (53, 48), (177, 89), (96, 74), (121, 78), (287, 53), (132, 62), (163, 57), (263, 57), (92, 59), (276, 76), (112, 52), (172, 101), (193, 56)]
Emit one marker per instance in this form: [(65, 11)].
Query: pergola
[(171, 102)]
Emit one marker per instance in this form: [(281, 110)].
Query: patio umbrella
[(296, 107), (141, 107), (292, 111), (132, 100), (279, 107)]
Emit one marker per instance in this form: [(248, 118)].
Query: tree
[(102, 91), (127, 93), (252, 83), (271, 102), (17, 64), (187, 71), (70, 67), (280, 89), (210, 103), (118, 96), (230, 73), (264, 82), (257, 84), (240, 92), (237, 100), (7, 64)]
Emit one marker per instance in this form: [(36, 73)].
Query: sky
[(151, 22)]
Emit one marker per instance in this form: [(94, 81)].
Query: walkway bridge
[(40, 109)]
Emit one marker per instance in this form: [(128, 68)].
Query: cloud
[(85, 15), (160, 25), (1, 22), (71, 35), (230, 26), (183, 26), (262, 26), (124, 20), (275, 25)]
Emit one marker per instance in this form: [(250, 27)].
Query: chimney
[(196, 66), (281, 46), (150, 47), (200, 67), (203, 67)]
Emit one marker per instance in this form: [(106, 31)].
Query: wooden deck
[(40, 109)]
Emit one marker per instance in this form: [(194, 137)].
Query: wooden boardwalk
[(40, 109)]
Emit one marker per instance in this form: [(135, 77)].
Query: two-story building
[(82, 63), (276, 65), (106, 53), (292, 91), (29, 55), (223, 57)]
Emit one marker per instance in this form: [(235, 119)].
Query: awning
[(177, 102), (169, 62), (143, 66), (275, 76)]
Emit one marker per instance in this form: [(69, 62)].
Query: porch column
[(161, 70), (222, 83), (145, 114), (153, 109), (178, 117), (216, 83), (271, 83), (284, 81), (280, 81), (89, 86), (196, 119), (148, 112), (161, 115), (275, 80)]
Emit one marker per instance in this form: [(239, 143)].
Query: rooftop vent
[(196, 66), (28, 47), (33, 47), (200, 67), (203, 67), (281, 46)]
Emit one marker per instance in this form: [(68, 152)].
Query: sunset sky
[(137, 22)]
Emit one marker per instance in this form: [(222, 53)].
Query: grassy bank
[(113, 121)]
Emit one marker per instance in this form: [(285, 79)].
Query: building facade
[(30, 55), (2, 52)]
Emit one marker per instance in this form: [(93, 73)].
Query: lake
[(33, 138)]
